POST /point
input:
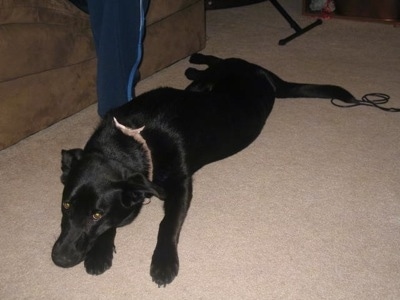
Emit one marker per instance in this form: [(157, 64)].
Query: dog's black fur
[(220, 113)]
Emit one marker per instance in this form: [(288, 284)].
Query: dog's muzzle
[(67, 253)]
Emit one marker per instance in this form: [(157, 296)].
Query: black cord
[(372, 99)]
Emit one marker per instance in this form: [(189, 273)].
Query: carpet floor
[(311, 210)]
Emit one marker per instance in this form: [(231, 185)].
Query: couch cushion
[(160, 9), (60, 12), (33, 102), (36, 38)]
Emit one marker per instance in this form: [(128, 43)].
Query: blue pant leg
[(116, 31)]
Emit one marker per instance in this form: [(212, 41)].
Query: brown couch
[(48, 64)]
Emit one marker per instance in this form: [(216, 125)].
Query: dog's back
[(212, 124)]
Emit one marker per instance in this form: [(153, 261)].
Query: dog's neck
[(135, 134)]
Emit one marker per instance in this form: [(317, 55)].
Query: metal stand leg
[(218, 4), (298, 30)]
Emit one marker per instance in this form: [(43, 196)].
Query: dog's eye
[(66, 205), (97, 216)]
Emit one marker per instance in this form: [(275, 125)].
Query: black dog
[(152, 146)]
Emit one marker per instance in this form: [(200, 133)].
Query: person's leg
[(116, 32)]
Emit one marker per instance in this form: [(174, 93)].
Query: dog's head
[(99, 194)]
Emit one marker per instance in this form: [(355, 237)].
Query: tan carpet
[(311, 210)]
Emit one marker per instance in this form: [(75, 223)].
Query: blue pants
[(116, 26)]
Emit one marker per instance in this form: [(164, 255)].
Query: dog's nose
[(64, 258), (63, 261)]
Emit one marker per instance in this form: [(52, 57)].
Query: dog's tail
[(284, 89)]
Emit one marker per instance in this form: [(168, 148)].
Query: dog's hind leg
[(201, 59), (193, 74), (203, 80)]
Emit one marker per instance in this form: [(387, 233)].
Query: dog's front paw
[(98, 261), (164, 265)]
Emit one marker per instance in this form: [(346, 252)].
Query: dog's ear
[(68, 157), (139, 188)]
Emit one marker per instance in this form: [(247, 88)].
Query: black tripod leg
[(298, 30)]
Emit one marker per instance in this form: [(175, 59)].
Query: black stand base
[(218, 4), (298, 30)]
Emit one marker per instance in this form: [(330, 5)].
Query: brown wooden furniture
[(387, 11)]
